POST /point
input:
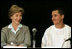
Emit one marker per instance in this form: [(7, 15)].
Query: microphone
[(34, 30)]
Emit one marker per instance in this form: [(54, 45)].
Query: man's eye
[(20, 15), (55, 15)]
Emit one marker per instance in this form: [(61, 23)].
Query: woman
[(15, 34), (57, 35)]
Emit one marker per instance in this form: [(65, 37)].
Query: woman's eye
[(16, 15)]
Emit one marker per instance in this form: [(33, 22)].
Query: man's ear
[(62, 16)]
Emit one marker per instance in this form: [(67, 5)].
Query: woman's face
[(56, 17), (16, 18)]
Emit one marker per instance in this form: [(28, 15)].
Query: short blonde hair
[(14, 9)]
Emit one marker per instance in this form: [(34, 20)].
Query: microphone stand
[(34, 30)]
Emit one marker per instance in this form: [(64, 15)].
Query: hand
[(11, 45), (21, 45)]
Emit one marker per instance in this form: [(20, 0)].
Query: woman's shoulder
[(5, 27), (25, 26)]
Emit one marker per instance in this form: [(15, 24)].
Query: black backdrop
[(36, 14)]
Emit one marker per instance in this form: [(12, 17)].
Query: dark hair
[(60, 11)]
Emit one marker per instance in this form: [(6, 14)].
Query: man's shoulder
[(67, 26), (50, 27)]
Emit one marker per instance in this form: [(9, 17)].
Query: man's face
[(56, 17)]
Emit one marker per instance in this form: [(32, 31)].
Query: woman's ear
[(11, 17), (21, 18)]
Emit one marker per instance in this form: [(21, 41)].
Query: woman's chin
[(17, 23)]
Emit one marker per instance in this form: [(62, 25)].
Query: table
[(13, 47)]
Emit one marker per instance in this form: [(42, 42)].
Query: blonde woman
[(15, 34)]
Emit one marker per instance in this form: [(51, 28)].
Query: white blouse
[(12, 29), (55, 38)]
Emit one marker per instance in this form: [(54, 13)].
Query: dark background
[(37, 14)]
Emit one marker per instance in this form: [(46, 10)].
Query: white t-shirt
[(55, 38)]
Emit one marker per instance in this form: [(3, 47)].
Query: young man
[(57, 35)]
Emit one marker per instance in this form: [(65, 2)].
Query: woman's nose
[(19, 17)]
